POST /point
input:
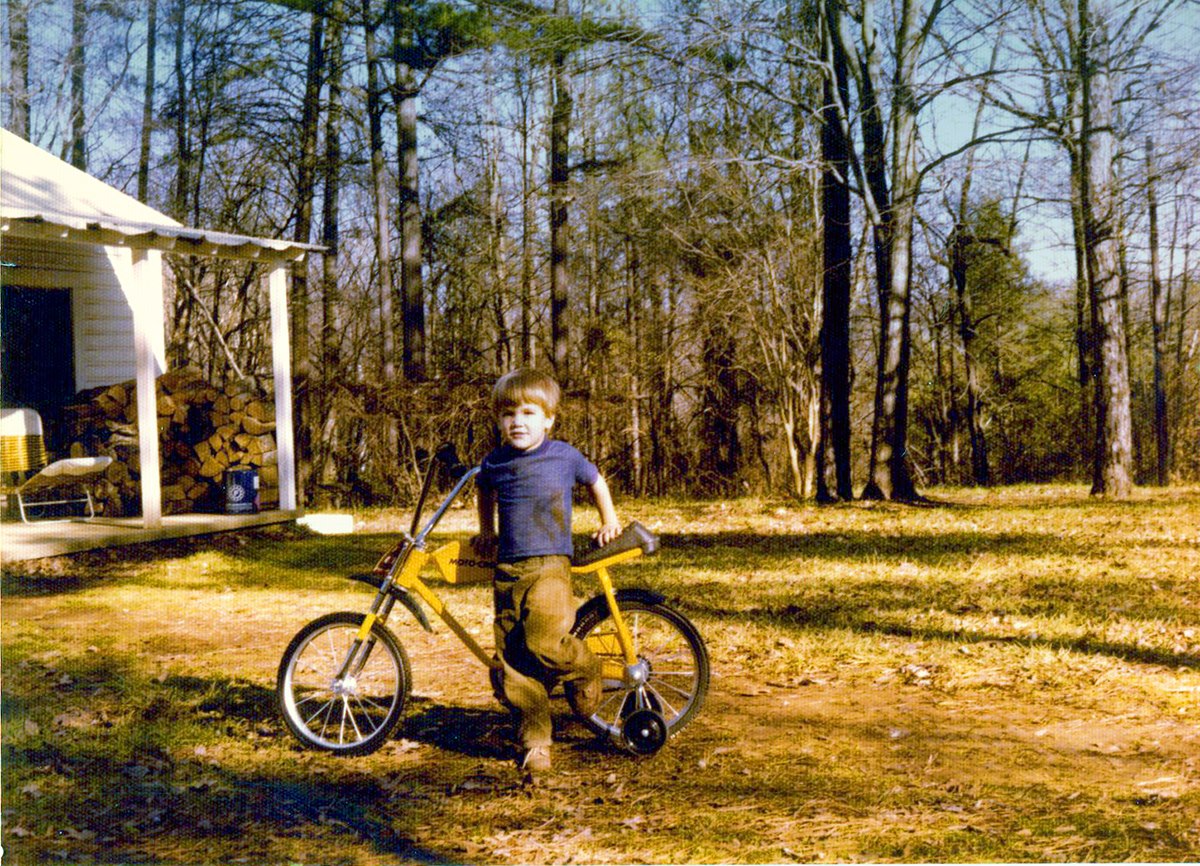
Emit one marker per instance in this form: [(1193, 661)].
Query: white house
[(81, 270)]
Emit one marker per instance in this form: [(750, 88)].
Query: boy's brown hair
[(526, 386)]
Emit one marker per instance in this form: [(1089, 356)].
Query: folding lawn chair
[(23, 451)]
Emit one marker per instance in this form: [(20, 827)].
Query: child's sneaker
[(584, 696), (537, 760)]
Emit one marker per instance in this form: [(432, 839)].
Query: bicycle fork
[(643, 729)]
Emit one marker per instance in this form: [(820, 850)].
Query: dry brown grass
[(1008, 675)]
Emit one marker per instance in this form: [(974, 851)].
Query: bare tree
[(143, 177), (412, 293), (331, 294), (379, 193), (893, 186), (306, 178), (837, 256), (1158, 325), (560, 129), (18, 67), (1114, 441), (77, 62), (528, 142)]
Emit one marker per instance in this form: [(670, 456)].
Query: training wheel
[(644, 732)]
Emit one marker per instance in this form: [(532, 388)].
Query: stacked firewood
[(203, 430)]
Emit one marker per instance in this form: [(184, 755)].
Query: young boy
[(528, 482)]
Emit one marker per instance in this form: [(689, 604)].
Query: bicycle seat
[(634, 537)]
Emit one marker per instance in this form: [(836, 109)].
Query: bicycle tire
[(352, 716), (673, 652)]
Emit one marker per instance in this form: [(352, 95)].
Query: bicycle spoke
[(366, 714), (324, 708), (663, 704), (348, 713), (372, 703), (304, 700), (328, 708)]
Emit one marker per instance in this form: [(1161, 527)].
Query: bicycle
[(345, 677)]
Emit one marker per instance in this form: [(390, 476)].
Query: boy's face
[(525, 425)]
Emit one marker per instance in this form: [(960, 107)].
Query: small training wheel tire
[(644, 732)]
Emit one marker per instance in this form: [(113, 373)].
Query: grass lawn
[(1008, 675)]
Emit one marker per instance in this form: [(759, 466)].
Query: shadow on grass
[(123, 788), (230, 699), (472, 731), (723, 549), (125, 812), (296, 562), (833, 614)]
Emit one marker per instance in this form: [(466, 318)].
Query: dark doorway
[(37, 361)]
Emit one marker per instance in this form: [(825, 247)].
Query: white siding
[(100, 306)]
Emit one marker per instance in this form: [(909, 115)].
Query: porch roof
[(43, 197)]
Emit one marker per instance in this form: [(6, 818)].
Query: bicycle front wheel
[(340, 694), (671, 673)]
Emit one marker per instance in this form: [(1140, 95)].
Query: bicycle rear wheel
[(337, 704), (671, 674)]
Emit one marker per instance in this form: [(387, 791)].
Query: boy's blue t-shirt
[(533, 497)]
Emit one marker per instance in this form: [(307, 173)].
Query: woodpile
[(203, 431)]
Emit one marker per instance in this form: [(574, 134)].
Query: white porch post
[(281, 359), (146, 300)]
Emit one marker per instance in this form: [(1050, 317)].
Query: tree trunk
[(331, 300), (186, 276), (1084, 332), (383, 236), (306, 174), (560, 128), (143, 178), (721, 455), (495, 230), (1158, 323), (981, 473), (1114, 421), (1182, 353), (383, 222), (18, 67), (634, 327), (868, 75), (943, 428), (890, 471), (528, 159), (183, 144), (412, 293), (837, 254), (77, 62)]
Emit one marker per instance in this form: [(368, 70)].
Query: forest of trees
[(823, 248)]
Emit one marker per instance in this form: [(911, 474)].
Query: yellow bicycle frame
[(601, 644), (409, 578)]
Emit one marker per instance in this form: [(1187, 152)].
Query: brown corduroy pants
[(535, 610)]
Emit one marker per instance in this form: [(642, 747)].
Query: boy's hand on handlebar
[(606, 533)]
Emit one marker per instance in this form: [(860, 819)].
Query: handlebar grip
[(634, 535)]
